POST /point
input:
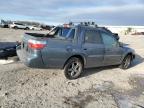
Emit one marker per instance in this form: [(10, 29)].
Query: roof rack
[(92, 24)]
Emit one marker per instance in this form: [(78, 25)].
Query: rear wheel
[(73, 68), (26, 28), (15, 27), (126, 62)]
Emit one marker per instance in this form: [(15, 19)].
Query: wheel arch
[(129, 53), (15, 26), (27, 28)]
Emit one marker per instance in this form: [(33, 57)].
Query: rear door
[(21, 26), (59, 49), (113, 52), (93, 48)]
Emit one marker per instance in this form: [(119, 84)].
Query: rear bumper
[(30, 60)]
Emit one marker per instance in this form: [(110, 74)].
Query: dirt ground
[(105, 87)]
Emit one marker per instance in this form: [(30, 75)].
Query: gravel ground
[(106, 87)]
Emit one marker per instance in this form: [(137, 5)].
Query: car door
[(23, 26), (113, 51), (93, 48), (59, 49)]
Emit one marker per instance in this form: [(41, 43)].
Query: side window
[(71, 34), (108, 40), (65, 31), (59, 32), (92, 36)]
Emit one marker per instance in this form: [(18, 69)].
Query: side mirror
[(116, 36), (120, 44)]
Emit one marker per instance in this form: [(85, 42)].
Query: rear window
[(64, 32), (71, 34)]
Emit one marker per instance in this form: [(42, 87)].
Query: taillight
[(35, 44)]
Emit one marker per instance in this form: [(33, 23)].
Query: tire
[(26, 28), (73, 68), (126, 62), (15, 27)]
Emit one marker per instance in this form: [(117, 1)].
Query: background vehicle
[(35, 28), (3, 24), (73, 49), (46, 27), (8, 49), (18, 26)]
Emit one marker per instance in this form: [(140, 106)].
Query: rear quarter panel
[(57, 51)]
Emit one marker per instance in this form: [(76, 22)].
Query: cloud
[(104, 12), (121, 15)]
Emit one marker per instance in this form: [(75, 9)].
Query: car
[(35, 28), (16, 25), (8, 49), (4, 24), (73, 49)]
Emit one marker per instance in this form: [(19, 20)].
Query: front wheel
[(26, 28), (126, 62), (73, 68), (15, 27)]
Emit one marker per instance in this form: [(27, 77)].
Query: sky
[(103, 12)]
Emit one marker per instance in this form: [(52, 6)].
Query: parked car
[(16, 25), (35, 28), (8, 49), (4, 25), (46, 27), (74, 49)]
